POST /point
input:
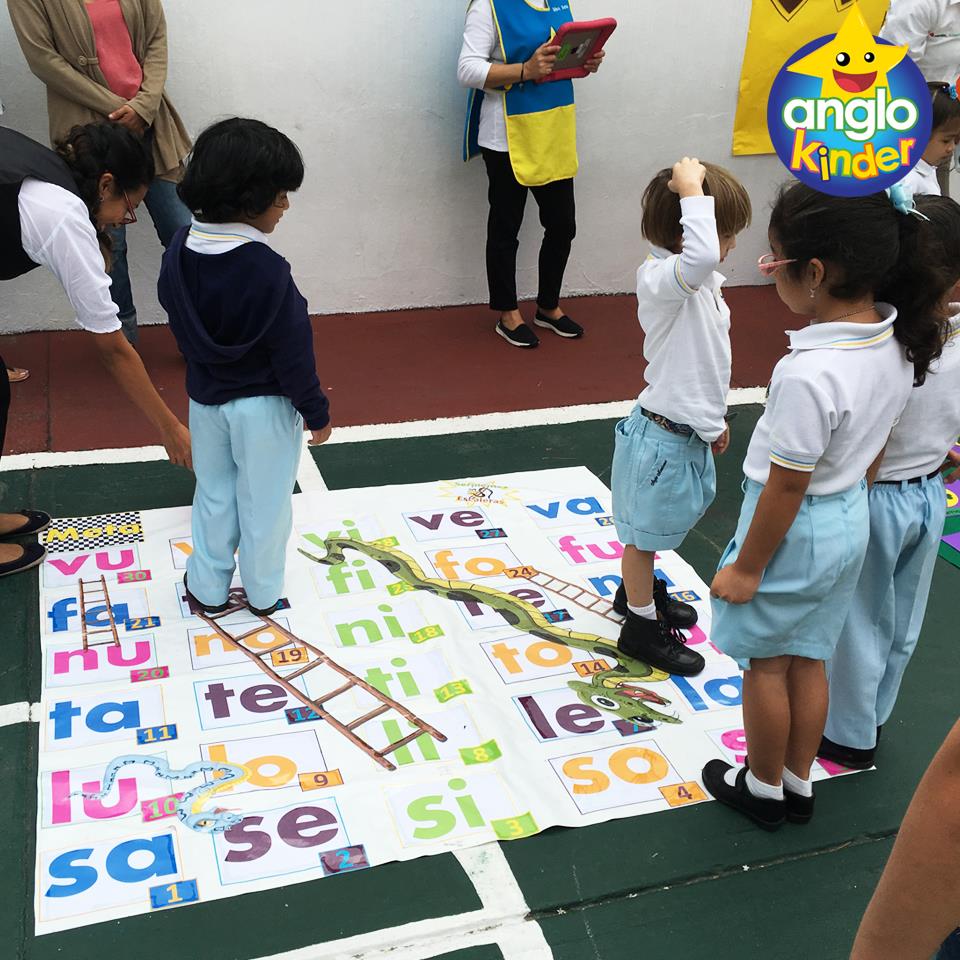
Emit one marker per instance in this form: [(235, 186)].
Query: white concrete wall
[(389, 216)]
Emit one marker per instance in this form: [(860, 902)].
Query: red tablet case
[(579, 41)]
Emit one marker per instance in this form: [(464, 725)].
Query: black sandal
[(33, 555), (37, 521)]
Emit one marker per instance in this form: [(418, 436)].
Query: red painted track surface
[(383, 368)]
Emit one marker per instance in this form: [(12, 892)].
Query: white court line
[(11, 713), (309, 477), (548, 416), (500, 921)]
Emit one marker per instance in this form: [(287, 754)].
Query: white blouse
[(480, 49), (56, 232)]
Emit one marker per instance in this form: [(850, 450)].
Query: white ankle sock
[(765, 791), (649, 612), (730, 777), (794, 784)]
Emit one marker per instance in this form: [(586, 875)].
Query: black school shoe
[(850, 757), (35, 522), (264, 611), (194, 604), (33, 555), (769, 814), (523, 336), (799, 808), (674, 612), (658, 644), (563, 326)]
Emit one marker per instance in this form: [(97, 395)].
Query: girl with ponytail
[(786, 579), (907, 501)]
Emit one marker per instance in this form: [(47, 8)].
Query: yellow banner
[(778, 29)]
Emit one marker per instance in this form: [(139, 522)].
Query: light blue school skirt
[(806, 590), (662, 483)]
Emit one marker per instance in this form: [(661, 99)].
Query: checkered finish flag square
[(93, 533)]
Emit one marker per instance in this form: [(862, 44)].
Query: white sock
[(765, 791), (649, 612), (795, 784), (730, 777)]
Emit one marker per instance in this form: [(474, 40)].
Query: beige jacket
[(57, 40)]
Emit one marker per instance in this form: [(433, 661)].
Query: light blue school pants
[(882, 627), (245, 457)]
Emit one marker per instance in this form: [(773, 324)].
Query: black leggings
[(558, 217)]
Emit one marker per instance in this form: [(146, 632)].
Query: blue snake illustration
[(203, 821)]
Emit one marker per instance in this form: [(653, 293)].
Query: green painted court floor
[(697, 882)]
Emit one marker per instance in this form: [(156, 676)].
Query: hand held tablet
[(578, 42)]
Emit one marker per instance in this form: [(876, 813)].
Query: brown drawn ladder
[(96, 590), (570, 591), (351, 680)]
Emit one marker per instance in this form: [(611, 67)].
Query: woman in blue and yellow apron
[(527, 134)]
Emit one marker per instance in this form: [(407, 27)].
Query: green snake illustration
[(611, 690)]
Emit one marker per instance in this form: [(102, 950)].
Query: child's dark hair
[(237, 168), (946, 108), (94, 149), (930, 259), (661, 206), (867, 248)]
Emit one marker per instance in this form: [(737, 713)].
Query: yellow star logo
[(853, 63)]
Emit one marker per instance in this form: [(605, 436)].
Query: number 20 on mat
[(619, 776)]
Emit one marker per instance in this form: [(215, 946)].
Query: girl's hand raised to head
[(732, 585), (542, 62), (688, 177)]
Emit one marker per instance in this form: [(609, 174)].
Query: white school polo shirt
[(922, 179), (686, 323), (930, 424), (834, 398)]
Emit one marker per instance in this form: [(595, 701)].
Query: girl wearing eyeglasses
[(56, 210), (786, 579)]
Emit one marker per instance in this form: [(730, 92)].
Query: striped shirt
[(834, 400)]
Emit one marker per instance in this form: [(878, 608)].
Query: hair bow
[(952, 90), (902, 199)]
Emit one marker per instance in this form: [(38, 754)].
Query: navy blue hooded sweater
[(242, 325)]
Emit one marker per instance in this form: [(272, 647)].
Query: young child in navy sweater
[(243, 328)]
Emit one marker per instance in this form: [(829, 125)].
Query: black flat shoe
[(265, 611), (673, 612), (33, 555), (522, 336), (850, 757), (195, 605), (562, 326), (36, 521), (799, 808), (769, 814), (658, 644)]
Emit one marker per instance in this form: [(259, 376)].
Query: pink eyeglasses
[(769, 264)]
